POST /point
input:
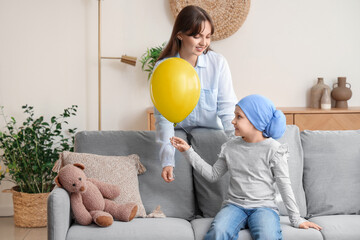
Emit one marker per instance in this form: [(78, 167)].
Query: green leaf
[(149, 58), (30, 150)]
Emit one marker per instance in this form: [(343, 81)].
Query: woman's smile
[(200, 49)]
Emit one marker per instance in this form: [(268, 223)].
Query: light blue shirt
[(215, 108)]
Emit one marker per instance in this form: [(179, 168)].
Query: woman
[(190, 40)]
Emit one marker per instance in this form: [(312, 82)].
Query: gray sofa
[(324, 170)]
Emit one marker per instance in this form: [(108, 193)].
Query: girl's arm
[(210, 173), (281, 173)]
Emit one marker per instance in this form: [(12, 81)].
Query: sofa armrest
[(58, 214)]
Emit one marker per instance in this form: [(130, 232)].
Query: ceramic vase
[(326, 99), (316, 93), (341, 94)]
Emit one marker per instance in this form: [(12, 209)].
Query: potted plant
[(149, 58), (29, 152)]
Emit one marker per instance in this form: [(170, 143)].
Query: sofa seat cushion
[(137, 229), (331, 172), (339, 227), (202, 225), (176, 198)]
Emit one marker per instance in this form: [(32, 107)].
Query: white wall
[(279, 51), (285, 45), (43, 62), (48, 54)]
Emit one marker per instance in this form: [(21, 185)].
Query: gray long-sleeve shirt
[(254, 169)]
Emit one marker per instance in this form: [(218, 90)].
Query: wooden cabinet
[(307, 118), (150, 119), (318, 119)]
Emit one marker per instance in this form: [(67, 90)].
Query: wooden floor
[(8, 231)]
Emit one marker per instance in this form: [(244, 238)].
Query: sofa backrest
[(332, 172), (207, 143), (296, 168), (176, 198)]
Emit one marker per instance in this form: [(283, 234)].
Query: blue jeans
[(263, 223)]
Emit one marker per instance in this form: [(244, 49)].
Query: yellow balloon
[(175, 89)]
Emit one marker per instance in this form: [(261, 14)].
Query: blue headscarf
[(262, 113)]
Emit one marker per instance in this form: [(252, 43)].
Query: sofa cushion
[(121, 171), (339, 227), (296, 166), (176, 198), (202, 225), (331, 172), (207, 143), (137, 229)]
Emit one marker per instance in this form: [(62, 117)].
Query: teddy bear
[(91, 200)]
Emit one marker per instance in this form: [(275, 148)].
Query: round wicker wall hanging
[(228, 15)]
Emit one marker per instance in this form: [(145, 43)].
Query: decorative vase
[(326, 99), (316, 93), (30, 209), (341, 94)]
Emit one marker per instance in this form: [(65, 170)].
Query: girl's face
[(195, 45), (243, 127)]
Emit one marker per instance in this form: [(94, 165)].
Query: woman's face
[(195, 45)]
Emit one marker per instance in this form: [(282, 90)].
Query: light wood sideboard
[(307, 118), (150, 119), (318, 119)]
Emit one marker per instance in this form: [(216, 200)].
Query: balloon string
[(175, 124)]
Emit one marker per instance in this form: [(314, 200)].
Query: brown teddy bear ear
[(57, 181), (79, 165)]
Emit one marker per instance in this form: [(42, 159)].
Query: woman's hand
[(306, 225), (179, 144), (167, 174)]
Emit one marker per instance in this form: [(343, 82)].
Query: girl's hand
[(306, 225), (179, 144)]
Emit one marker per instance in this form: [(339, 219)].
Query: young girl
[(255, 162), (190, 40)]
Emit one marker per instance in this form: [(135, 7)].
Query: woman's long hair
[(189, 21)]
